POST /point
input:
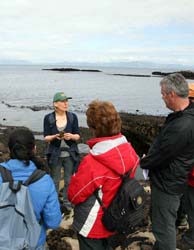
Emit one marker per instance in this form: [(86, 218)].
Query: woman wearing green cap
[(61, 131)]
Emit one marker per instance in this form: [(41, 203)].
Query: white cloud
[(41, 30)]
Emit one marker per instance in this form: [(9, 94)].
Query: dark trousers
[(181, 213), (93, 244), (67, 164), (189, 205), (164, 209)]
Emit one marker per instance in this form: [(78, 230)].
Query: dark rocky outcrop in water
[(135, 75), (73, 69), (33, 107), (188, 74)]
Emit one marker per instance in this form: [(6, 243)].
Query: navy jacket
[(50, 128)]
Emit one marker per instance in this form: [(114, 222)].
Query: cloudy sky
[(97, 31)]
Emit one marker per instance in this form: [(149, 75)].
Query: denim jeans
[(68, 165)]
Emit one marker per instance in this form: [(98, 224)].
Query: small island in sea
[(73, 70)]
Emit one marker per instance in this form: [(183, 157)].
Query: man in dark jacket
[(170, 159)]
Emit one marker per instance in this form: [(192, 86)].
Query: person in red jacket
[(187, 241), (109, 152)]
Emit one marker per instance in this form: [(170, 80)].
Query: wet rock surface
[(56, 239), (141, 130)]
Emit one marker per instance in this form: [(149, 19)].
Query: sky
[(97, 31)]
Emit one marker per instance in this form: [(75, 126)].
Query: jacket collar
[(104, 144)]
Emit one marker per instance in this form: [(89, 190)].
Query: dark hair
[(21, 145), (103, 118)]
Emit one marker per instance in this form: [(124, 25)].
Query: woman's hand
[(69, 136), (50, 138)]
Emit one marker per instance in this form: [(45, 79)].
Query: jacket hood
[(115, 152)]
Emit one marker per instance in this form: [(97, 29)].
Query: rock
[(3, 148), (134, 75), (63, 69), (90, 70), (188, 74), (33, 108), (141, 130), (73, 69)]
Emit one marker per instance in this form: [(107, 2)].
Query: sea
[(26, 86)]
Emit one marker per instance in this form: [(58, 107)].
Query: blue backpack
[(19, 227)]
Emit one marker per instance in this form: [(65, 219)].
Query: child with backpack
[(111, 156), (28, 200)]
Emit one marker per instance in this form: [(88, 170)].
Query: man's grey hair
[(176, 83)]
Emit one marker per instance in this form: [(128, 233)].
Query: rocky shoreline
[(140, 130)]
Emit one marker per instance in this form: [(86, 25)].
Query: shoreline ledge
[(140, 130)]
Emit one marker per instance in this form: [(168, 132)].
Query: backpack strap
[(7, 177), (99, 199), (122, 176), (6, 174), (35, 176), (126, 175)]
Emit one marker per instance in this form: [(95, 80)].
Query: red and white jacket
[(96, 172)]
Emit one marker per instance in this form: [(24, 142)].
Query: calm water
[(29, 85)]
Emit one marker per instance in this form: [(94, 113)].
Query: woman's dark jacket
[(171, 156), (50, 128)]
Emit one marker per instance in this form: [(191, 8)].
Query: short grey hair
[(177, 83)]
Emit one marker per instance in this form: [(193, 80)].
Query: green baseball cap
[(60, 96)]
